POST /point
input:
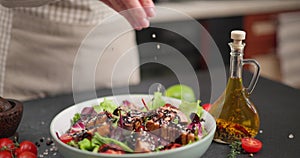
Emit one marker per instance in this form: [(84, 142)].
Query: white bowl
[(61, 123)]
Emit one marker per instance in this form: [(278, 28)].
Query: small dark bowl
[(10, 119)]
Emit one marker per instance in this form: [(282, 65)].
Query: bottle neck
[(236, 60)]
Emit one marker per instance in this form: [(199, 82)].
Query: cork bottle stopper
[(238, 37)]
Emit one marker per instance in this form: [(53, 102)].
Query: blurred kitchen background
[(273, 35)]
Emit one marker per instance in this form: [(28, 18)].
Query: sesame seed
[(291, 136), (154, 35)]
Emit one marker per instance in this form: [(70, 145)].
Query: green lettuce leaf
[(75, 118), (86, 144), (73, 144), (106, 105), (157, 101), (191, 107), (96, 149), (100, 140)]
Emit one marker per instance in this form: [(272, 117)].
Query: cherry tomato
[(5, 154), (26, 154), (66, 138), (110, 151), (251, 145), (17, 152), (7, 144), (26, 146), (206, 106), (171, 146), (175, 145)]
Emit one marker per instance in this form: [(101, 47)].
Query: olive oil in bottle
[(236, 116)]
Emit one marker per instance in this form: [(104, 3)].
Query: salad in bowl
[(133, 126)]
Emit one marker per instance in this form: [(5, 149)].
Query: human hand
[(137, 12)]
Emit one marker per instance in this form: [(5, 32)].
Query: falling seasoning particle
[(261, 131), (41, 155), (153, 35), (155, 57), (54, 154), (291, 136), (251, 155), (42, 123), (158, 46)]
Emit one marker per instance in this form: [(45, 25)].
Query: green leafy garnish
[(75, 118), (100, 140), (191, 107), (176, 120), (73, 143), (106, 105), (182, 92), (235, 149), (96, 149), (157, 101), (159, 148), (86, 144)]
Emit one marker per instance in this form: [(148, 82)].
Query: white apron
[(43, 46)]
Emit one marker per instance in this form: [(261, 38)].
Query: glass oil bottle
[(236, 116)]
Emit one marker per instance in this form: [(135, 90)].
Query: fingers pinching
[(137, 12), (149, 7)]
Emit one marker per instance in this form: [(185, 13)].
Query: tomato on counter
[(26, 154), (6, 144), (26, 146), (11, 149), (251, 145), (5, 154)]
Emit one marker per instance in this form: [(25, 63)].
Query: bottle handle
[(255, 76)]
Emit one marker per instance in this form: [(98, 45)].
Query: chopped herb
[(75, 118), (235, 149)]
